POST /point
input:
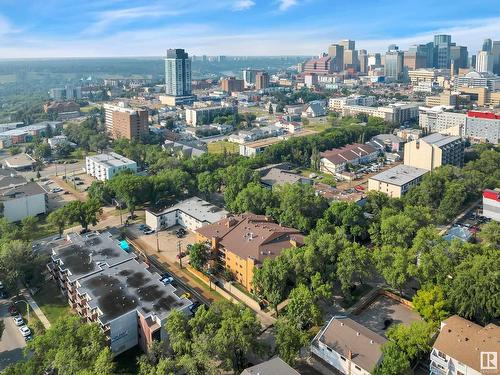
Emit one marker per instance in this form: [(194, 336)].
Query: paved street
[(11, 342)]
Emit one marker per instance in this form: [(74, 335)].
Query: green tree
[(69, 346), (58, 219), (490, 234), (302, 309), (394, 361), (19, 262), (236, 178), (413, 340), (63, 149), (393, 263), (347, 215), (474, 290), (269, 281), (299, 206), (84, 213), (198, 256), (29, 226), (100, 192), (130, 189), (289, 340), (354, 264), (254, 198), (208, 182), (431, 304)]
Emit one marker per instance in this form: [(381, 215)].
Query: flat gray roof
[(10, 178), (198, 208), (275, 366), (130, 286), (111, 159), (439, 139), (399, 175), (88, 254), (19, 161), (26, 190)]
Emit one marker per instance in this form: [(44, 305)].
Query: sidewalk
[(35, 308)]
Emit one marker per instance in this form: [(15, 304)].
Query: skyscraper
[(393, 65), (442, 44), (487, 45), (495, 52), (261, 80), (177, 73), (416, 57), (363, 60), (459, 57), (336, 52), (350, 54), (484, 62), (348, 44)]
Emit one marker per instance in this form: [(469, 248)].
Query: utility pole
[(157, 243), (179, 251)]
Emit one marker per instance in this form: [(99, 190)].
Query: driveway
[(11, 342)]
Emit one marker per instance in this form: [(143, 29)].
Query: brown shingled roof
[(250, 235), (348, 153), (464, 341)]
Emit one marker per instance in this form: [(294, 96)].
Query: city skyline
[(233, 27)]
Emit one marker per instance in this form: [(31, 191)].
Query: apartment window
[(441, 354), (342, 358), (357, 368)]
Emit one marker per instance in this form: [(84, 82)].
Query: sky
[(99, 28)]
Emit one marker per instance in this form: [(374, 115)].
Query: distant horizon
[(140, 28)]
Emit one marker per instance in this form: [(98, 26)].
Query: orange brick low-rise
[(241, 243)]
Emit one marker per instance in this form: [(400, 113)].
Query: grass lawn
[(44, 228), (88, 108), (318, 124), (51, 302), (220, 146)]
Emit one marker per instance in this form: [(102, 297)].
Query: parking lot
[(12, 342), (58, 197), (168, 242)]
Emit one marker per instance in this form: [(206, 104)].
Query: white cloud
[(285, 4), (243, 5), (109, 17)]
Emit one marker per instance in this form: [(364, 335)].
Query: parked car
[(186, 295), (180, 233), (18, 320), (194, 307), (149, 231), (167, 280), (143, 227), (25, 331)]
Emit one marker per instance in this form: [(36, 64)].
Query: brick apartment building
[(124, 122)]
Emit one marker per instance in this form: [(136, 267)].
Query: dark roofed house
[(243, 242), (275, 366), (349, 347)]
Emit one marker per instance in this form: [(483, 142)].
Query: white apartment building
[(479, 79), (19, 197), (437, 120), (199, 115), (336, 104), (104, 166), (465, 348), (192, 213), (396, 113), (491, 204)]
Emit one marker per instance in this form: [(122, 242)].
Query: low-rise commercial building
[(465, 348), (241, 243), (27, 133), (395, 182), (192, 213), (20, 162), (105, 166), (334, 161), (19, 197), (277, 176), (336, 104), (434, 151), (491, 204), (349, 347), (445, 98), (109, 286)]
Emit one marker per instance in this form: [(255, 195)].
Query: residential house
[(275, 366), (316, 108)]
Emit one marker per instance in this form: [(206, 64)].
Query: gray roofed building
[(439, 139), (275, 366), (399, 175), (277, 176), (345, 344), (387, 142), (19, 162), (184, 150)]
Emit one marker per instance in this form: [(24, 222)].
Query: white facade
[(443, 364), (341, 363), (192, 213), (104, 166), (436, 120), (123, 332), (20, 206), (484, 62)]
